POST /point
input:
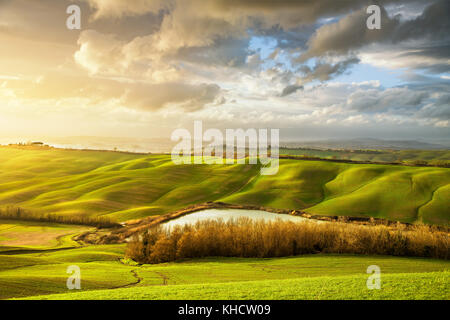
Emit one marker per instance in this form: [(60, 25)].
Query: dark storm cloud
[(325, 71), (290, 90), (432, 23), (269, 12), (350, 32)]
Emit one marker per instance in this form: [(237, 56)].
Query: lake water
[(227, 214)]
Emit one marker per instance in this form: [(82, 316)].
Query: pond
[(227, 214)]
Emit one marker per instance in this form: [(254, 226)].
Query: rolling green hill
[(129, 186)]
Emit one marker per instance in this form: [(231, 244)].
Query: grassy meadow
[(34, 255), (42, 275), (396, 286)]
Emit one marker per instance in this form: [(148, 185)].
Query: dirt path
[(163, 276), (418, 213), (135, 275), (138, 278)]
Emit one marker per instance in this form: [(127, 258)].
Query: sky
[(143, 68)]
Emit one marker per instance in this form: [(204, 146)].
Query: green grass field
[(396, 286), (407, 156), (34, 256), (129, 186), (40, 274)]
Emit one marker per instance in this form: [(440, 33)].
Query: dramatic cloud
[(137, 95), (346, 35), (287, 63), (188, 97), (120, 8), (433, 23)]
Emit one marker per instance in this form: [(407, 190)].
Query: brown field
[(35, 234)]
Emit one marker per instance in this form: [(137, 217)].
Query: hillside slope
[(128, 186)]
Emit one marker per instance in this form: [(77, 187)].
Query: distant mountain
[(165, 145), (368, 143)]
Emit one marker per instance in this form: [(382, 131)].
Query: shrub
[(247, 238)]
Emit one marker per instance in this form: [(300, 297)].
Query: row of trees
[(15, 213)]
